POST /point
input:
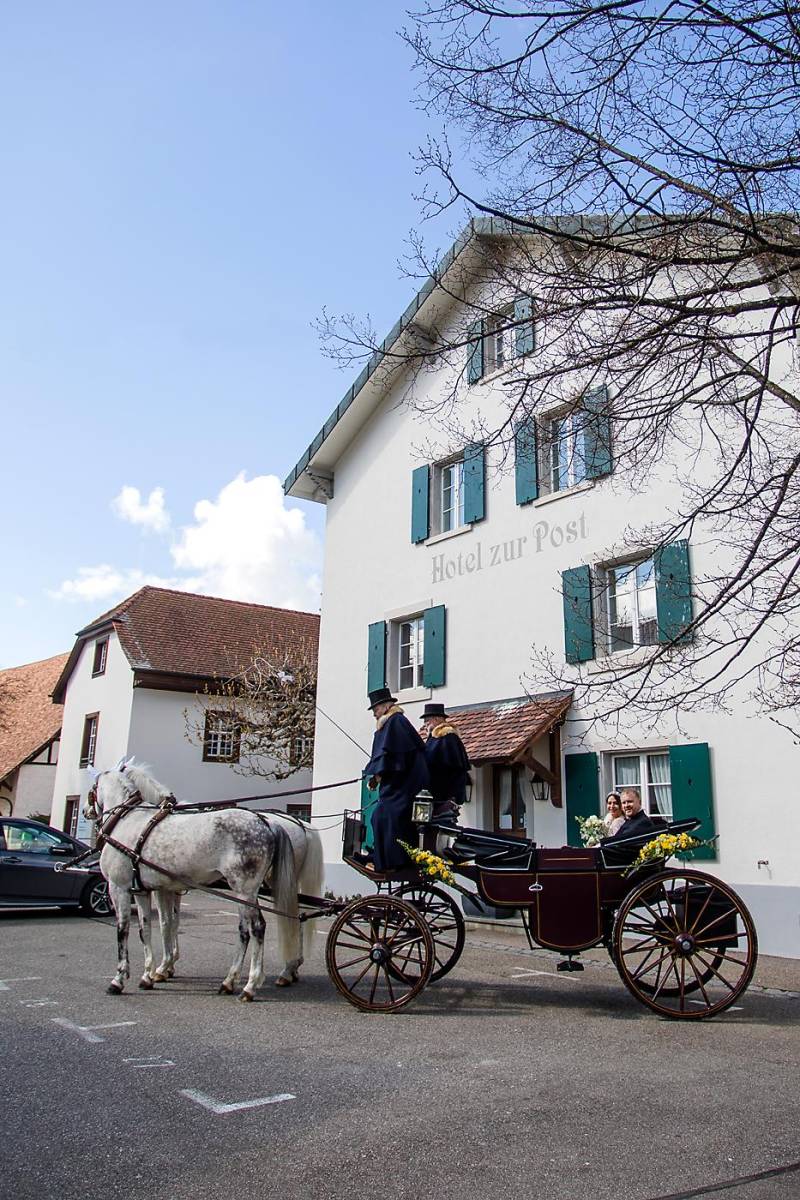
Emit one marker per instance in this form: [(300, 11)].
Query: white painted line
[(219, 1108), (43, 1003), (550, 974), (733, 1007), (87, 1032), (154, 1060), (20, 979)]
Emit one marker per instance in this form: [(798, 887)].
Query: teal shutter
[(576, 586), (526, 465), (368, 801), (474, 484), (597, 433), (434, 665), (673, 592), (582, 785), (376, 656), (475, 352), (692, 795), (420, 509), (524, 333)]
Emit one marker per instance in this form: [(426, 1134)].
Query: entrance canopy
[(504, 731)]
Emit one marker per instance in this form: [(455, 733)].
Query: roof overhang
[(505, 731)]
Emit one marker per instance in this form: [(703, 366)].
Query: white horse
[(237, 845)]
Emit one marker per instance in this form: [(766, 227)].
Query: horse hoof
[(157, 978), (225, 989), (246, 997), (114, 989), (282, 982), (146, 983)]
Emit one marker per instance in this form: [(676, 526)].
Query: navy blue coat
[(448, 766), (398, 757)]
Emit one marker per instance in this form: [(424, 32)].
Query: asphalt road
[(504, 1079)]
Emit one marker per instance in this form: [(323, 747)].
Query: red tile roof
[(28, 717), (499, 732), (181, 633)]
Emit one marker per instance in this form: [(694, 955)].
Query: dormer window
[(100, 657)]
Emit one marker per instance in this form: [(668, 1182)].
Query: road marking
[(20, 979), (219, 1108), (153, 1060), (733, 1007), (87, 1032), (45, 1002), (550, 974)]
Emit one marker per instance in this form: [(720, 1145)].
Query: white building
[(439, 576), (135, 673), (29, 737)]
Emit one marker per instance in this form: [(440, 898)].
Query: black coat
[(398, 757), (638, 823), (448, 766)]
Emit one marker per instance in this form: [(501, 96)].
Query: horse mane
[(151, 791)]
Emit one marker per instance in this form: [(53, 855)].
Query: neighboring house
[(440, 575), (137, 670), (30, 726)]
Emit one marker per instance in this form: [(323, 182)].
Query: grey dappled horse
[(236, 845)]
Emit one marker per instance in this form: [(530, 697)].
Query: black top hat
[(433, 710), (381, 696)]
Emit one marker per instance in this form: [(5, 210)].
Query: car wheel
[(95, 901)]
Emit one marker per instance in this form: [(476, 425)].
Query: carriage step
[(569, 965)]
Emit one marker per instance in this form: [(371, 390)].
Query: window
[(499, 339), (100, 657), (631, 593), (567, 457), (302, 811), (32, 840), (507, 334), (89, 740), (301, 750), (650, 773), (449, 484), (510, 812), (411, 653), (72, 811), (221, 739)]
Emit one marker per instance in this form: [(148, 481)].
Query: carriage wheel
[(684, 944), (379, 953), (444, 919)]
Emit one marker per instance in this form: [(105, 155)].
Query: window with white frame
[(499, 344), (301, 750), (449, 493), (649, 773), (631, 605), (410, 652), (221, 739), (565, 442)]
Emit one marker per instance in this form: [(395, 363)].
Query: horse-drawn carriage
[(682, 941)]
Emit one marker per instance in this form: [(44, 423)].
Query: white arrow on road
[(87, 1032), (20, 979), (219, 1108)]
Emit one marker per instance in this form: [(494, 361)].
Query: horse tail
[(312, 874), (284, 891)]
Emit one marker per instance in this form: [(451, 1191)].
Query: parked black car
[(29, 854)]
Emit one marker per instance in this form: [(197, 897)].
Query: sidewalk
[(779, 974)]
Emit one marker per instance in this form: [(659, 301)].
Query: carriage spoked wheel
[(684, 944), (443, 918), (380, 953)]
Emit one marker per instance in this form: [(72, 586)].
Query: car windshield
[(31, 839)]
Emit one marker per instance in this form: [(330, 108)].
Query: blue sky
[(185, 187)]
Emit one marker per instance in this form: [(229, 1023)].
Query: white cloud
[(105, 583), (244, 545), (151, 514), (247, 545)]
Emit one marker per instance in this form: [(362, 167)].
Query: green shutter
[(474, 484), (524, 333), (582, 784), (434, 669), (420, 521), (526, 466), (578, 623), (597, 433), (376, 656), (673, 592), (475, 352), (368, 801), (692, 796)]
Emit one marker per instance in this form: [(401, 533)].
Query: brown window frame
[(87, 758), (72, 814), (100, 657), (217, 715)]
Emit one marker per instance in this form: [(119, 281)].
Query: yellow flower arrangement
[(664, 846), (430, 865)]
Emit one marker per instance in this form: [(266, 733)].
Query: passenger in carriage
[(448, 764), (636, 819), (398, 768)]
